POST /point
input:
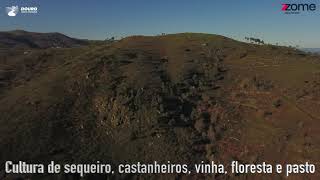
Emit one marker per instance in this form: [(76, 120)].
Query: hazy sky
[(99, 19)]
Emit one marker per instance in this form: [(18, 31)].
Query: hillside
[(181, 97), (24, 39)]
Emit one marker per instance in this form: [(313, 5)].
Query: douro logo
[(12, 11), (32, 10)]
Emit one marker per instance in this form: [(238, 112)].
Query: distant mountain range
[(312, 50), (24, 39)]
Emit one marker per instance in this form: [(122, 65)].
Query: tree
[(254, 40)]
